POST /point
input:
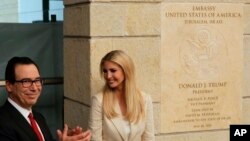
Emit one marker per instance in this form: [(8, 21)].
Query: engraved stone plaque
[(201, 66)]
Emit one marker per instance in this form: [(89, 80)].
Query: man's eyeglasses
[(28, 82)]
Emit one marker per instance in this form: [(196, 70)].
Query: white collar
[(22, 110)]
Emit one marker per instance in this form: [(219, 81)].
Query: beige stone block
[(143, 51), (208, 1), (157, 120), (77, 70), (76, 21), (246, 79), (246, 110), (247, 18), (201, 66), (196, 136), (108, 19), (246, 65), (76, 114), (142, 19)]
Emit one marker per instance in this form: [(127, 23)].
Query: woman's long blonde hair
[(133, 97)]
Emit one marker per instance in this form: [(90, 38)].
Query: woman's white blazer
[(104, 129)]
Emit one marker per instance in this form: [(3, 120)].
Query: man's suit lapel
[(21, 122), (43, 126)]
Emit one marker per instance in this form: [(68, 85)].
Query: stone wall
[(92, 28)]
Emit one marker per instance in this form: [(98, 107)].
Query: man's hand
[(75, 134)]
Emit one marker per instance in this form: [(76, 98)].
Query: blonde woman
[(120, 112)]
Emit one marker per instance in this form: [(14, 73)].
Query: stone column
[(93, 28)]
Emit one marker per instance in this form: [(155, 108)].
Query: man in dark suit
[(24, 86)]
